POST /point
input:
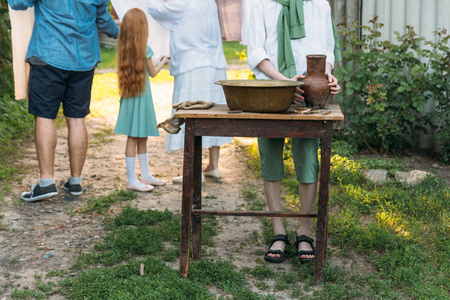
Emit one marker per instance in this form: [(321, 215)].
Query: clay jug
[(315, 85)]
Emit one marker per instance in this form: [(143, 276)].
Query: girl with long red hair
[(137, 117)]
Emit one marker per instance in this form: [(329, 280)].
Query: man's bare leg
[(45, 141), (78, 144)]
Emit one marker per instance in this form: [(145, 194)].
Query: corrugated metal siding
[(425, 16)]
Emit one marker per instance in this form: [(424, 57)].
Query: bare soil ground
[(31, 230)]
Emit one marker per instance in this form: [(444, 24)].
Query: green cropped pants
[(305, 159)]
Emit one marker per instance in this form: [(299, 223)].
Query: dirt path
[(54, 225)]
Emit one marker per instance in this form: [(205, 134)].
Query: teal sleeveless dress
[(137, 115)]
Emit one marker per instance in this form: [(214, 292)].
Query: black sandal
[(310, 241), (278, 237)]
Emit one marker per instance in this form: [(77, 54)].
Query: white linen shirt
[(195, 38), (262, 34)]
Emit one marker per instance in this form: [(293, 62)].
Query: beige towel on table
[(22, 23), (173, 125)]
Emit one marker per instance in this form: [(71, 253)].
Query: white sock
[(143, 163), (75, 180), (44, 182), (131, 171)]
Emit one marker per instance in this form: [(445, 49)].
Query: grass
[(102, 203), (402, 231), (102, 137), (109, 59), (229, 50), (139, 238), (42, 291), (16, 127)]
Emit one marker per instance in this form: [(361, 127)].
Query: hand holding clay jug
[(315, 85)]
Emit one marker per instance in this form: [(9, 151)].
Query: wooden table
[(217, 121)]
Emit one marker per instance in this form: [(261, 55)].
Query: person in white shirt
[(263, 59), (197, 60)]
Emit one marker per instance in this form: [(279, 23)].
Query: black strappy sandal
[(310, 241), (278, 237)]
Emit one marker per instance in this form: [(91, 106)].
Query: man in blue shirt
[(63, 53)]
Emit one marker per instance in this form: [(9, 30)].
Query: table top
[(222, 112)]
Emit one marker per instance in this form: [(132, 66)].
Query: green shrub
[(6, 71), (439, 84), (15, 123), (343, 148), (388, 86)]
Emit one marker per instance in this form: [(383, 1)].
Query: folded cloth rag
[(173, 125), (193, 105)]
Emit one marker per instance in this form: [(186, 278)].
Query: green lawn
[(386, 242)]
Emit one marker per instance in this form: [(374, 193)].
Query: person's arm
[(154, 70), (166, 11), (333, 82), (267, 68), (257, 56), (330, 43), (105, 22), (256, 36), (21, 4)]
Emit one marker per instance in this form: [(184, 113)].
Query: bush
[(15, 123), (388, 86), (439, 85), (6, 71)]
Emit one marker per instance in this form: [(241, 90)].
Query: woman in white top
[(262, 49), (197, 60)]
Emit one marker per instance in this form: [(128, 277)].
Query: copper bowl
[(259, 95)]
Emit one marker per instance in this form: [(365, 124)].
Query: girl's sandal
[(310, 241), (278, 237)]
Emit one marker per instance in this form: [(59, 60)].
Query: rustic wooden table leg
[(322, 211), (187, 197), (197, 220)]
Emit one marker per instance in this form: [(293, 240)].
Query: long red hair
[(131, 52)]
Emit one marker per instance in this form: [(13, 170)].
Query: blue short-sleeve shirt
[(65, 31)]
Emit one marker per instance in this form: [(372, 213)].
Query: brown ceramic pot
[(315, 85)]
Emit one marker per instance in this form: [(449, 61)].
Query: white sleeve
[(329, 39), (165, 13), (256, 35)]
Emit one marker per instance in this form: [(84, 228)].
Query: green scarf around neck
[(291, 25)]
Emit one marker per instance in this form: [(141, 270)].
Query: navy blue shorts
[(49, 87)]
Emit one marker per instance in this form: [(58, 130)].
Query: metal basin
[(259, 95)]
